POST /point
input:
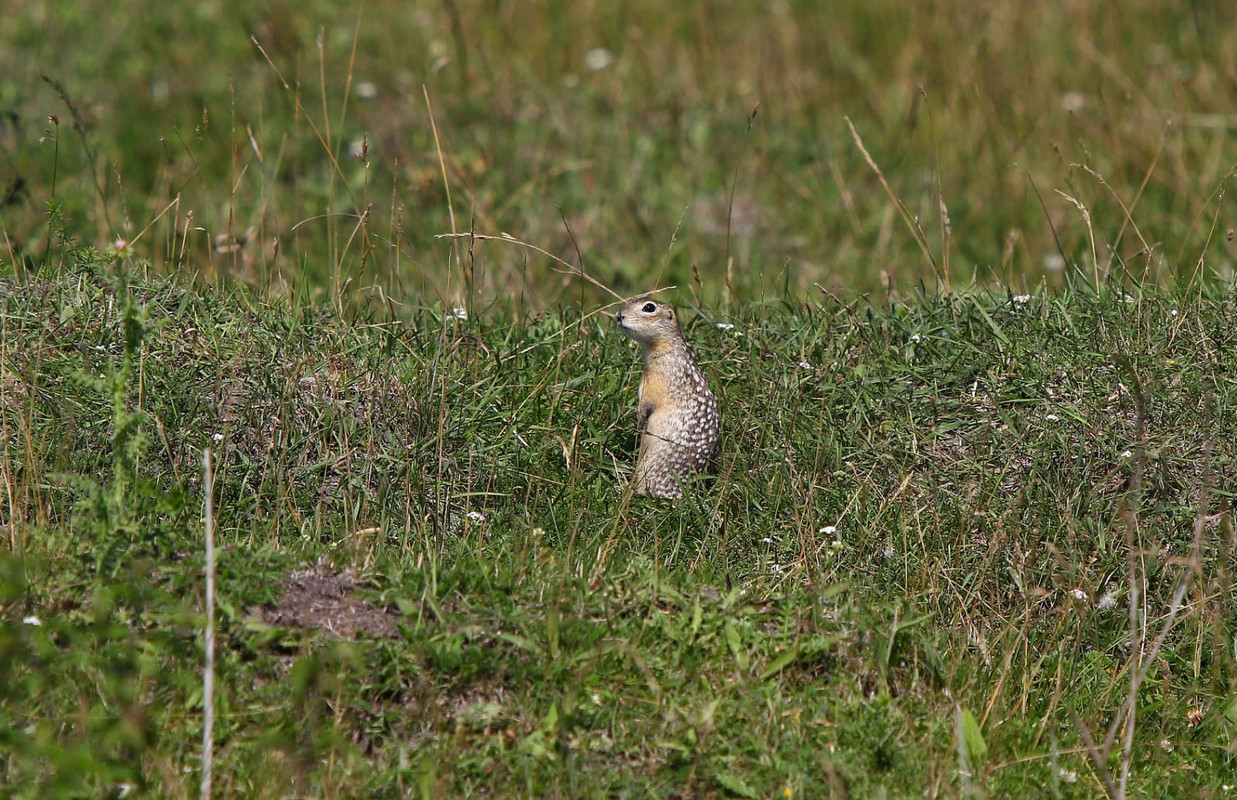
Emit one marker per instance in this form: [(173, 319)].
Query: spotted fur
[(678, 418)]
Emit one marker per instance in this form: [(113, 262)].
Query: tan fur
[(677, 416)]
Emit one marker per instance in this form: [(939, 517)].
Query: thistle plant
[(107, 509)]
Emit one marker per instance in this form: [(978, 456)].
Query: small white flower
[(775, 569), (1172, 313), (915, 337), (32, 620), (1067, 775), (889, 552), (459, 312), (218, 437), (475, 516), (1020, 299), (1107, 601), (767, 540), (1052, 418), (598, 59), (1078, 594), (596, 699), (828, 530), (725, 326), (1054, 263), (1166, 745), (1127, 453), (1073, 102), (804, 365)]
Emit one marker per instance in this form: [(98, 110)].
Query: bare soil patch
[(324, 599)]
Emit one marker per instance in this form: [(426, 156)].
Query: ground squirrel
[(679, 423)]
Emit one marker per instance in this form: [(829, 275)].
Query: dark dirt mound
[(322, 598)]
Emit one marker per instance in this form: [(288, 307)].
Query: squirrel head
[(650, 323)]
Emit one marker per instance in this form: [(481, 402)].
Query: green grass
[(558, 637), (232, 159), (973, 354)]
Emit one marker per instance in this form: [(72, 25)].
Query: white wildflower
[(459, 312), (1107, 601), (804, 365), (31, 620), (1172, 313), (475, 516), (598, 58), (767, 540), (915, 338), (1078, 594), (1021, 299), (1054, 263), (828, 530), (218, 437), (725, 326), (1052, 418), (1073, 102), (1067, 775)]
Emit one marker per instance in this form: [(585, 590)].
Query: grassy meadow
[(961, 277)]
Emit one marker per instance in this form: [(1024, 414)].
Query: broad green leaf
[(736, 644), (780, 663), (975, 744), (736, 785)]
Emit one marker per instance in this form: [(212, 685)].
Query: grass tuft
[(919, 541)]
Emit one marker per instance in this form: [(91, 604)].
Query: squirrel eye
[(649, 308)]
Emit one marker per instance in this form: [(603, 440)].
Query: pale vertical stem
[(208, 676)]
